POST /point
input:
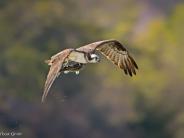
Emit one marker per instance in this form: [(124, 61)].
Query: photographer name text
[(12, 133)]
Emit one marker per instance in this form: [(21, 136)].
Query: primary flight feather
[(73, 60)]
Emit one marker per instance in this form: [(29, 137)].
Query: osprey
[(73, 60)]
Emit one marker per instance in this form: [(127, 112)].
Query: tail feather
[(49, 62)]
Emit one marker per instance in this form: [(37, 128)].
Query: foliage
[(101, 101)]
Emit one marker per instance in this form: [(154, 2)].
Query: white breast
[(77, 57)]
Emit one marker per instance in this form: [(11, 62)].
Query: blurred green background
[(101, 102)]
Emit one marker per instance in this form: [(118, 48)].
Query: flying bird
[(73, 60)]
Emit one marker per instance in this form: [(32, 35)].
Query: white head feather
[(94, 58)]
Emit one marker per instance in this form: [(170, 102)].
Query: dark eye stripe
[(89, 56)]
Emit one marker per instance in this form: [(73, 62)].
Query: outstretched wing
[(55, 63), (115, 52)]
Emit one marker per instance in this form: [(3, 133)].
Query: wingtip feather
[(134, 63)]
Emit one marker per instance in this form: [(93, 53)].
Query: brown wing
[(115, 52), (55, 66)]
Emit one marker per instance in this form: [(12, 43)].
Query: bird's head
[(93, 58)]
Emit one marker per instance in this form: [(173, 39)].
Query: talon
[(66, 72), (77, 72)]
